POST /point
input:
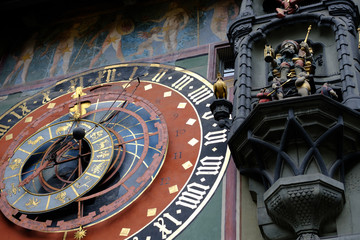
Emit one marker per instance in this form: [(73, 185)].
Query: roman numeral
[(3, 129), (16, 115), (209, 165), (159, 75), (182, 82), (191, 198), (108, 75), (133, 73), (207, 115), (215, 137), (162, 226), (200, 95)]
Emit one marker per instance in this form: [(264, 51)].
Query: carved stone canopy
[(299, 149), (297, 136)]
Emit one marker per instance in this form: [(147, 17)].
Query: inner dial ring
[(26, 163)]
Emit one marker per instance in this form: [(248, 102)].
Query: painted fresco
[(106, 39)]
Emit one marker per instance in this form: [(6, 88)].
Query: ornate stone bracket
[(304, 202), (221, 109)]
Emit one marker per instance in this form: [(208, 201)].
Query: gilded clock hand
[(111, 116), (136, 139), (80, 108)]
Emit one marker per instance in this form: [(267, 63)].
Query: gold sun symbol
[(80, 234)]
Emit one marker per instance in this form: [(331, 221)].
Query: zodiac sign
[(14, 190), (86, 125), (36, 141), (103, 154), (98, 168), (32, 203), (16, 163), (96, 135), (63, 129), (77, 184), (62, 197), (103, 143)]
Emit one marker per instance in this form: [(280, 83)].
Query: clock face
[(148, 158)]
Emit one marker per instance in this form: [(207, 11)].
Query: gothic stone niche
[(317, 67), (286, 142)]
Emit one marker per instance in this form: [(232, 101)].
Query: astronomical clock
[(127, 151)]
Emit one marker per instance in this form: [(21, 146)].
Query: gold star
[(111, 39), (26, 56), (65, 49), (80, 234)]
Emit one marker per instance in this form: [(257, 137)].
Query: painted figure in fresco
[(151, 36), (289, 7), (174, 20), (117, 29), (23, 61), (64, 49), (221, 16)]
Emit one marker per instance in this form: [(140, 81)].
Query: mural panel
[(72, 46)]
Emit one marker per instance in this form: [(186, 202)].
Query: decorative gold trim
[(173, 189), (187, 165), (124, 232), (151, 212), (80, 233)]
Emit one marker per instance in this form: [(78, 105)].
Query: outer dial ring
[(196, 158)]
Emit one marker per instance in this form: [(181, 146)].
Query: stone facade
[(300, 153)]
